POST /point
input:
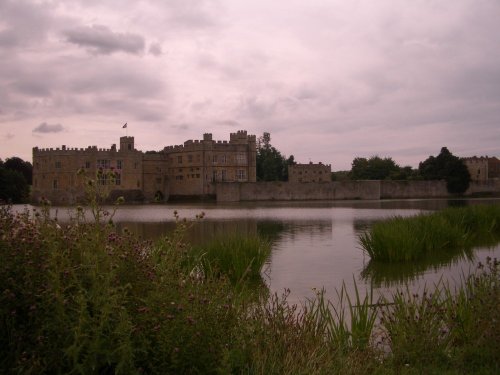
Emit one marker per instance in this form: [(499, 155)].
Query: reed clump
[(239, 258), (427, 236)]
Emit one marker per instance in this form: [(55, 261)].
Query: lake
[(315, 244)]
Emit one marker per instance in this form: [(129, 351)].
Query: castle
[(309, 172), (483, 168), (189, 170)]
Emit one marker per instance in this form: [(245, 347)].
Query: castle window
[(158, 180), (103, 163), (223, 176), (119, 164), (214, 176), (58, 164), (118, 179), (180, 170), (179, 159), (214, 159), (54, 184), (197, 175), (178, 177), (87, 164), (102, 178), (135, 165), (129, 146), (198, 157), (190, 158), (241, 158), (223, 159), (240, 174), (138, 183)]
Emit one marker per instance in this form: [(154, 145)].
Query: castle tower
[(127, 144)]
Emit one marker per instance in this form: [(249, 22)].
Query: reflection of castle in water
[(202, 231)]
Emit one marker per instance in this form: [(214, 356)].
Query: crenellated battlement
[(192, 168), (68, 150)]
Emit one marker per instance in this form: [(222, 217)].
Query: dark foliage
[(13, 186), (18, 164), (374, 168), (447, 167), (271, 164)]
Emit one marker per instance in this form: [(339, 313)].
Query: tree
[(374, 168), (446, 167), (13, 186), (341, 176), (18, 164), (271, 164)]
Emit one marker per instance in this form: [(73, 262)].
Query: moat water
[(314, 244)]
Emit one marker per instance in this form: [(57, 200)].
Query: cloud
[(9, 136), (100, 39), (229, 123), (23, 23), (48, 128), (155, 49), (182, 126)]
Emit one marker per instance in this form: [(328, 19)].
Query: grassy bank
[(85, 299), (436, 235)]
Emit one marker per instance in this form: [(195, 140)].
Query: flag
[(124, 126)]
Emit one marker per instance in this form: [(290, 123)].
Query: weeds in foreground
[(454, 330), (83, 298)]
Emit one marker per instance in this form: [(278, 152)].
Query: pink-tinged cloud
[(329, 80)]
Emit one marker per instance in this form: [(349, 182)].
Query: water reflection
[(315, 244), (390, 275), (203, 231)]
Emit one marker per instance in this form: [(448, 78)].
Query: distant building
[(483, 168), (189, 170), (309, 172)]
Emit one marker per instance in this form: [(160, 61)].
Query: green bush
[(85, 299)]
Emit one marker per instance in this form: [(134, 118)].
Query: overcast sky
[(330, 80)]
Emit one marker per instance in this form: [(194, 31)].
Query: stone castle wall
[(186, 170), (346, 190)]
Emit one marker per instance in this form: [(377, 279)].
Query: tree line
[(15, 180), (273, 166), (444, 166)]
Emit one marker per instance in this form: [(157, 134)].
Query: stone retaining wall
[(345, 190)]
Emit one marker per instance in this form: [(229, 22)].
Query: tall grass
[(446, 329), (424, 236), (238, 257)]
